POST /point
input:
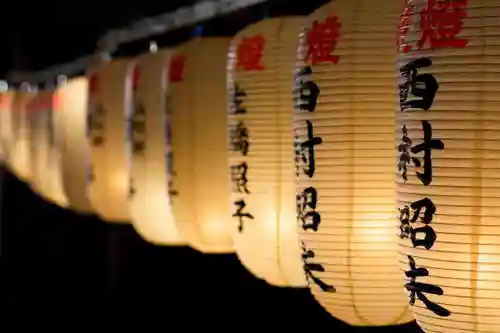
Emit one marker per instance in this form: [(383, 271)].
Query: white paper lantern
[(110, 100), (20, 158), (198, 172), (261, 66), (75, 151), (447, 134), (150, 207), (44, 133), (345, 161)]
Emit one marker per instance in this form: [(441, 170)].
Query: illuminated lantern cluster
[(110, 100), (197, 144), (150, 206), (344, 148), (261, 64), (447, 145)]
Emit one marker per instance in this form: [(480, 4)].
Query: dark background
[(61, 272)]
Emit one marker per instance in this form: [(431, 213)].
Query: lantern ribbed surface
[(45, 135), (150, 207), (75, 150), (20, 160), (109, 102), (197, 116), (268, 244), (345, 155), (6, 134), (448, 132)]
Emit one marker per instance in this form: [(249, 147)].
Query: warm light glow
[(45, 129), (73, 99), (20, 160), (109, 102), (197, 105), (457, 107), (150, 203), (348, 46), (268, 245)]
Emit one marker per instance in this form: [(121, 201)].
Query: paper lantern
[(6, 130), (110, 100), (261, 66), (198, 166), (150, 200), (345, 161), (447, 139), (44, 141), (20, 161), (75, 153)]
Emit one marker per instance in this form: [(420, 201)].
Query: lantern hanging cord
[(142, 29)]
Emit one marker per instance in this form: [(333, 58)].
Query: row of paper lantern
[(186, 124)]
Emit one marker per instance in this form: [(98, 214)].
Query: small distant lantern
[(44, 142), (19, 159), (150, 205), (197, 144), (261, 66), (6, 130), (344, 148), (75, 150), (109, 103)]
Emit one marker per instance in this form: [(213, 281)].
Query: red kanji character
[(93, 83), (249, 54), (322, 39), (405, 21), (441, 22), (176, 71), (135, 78)]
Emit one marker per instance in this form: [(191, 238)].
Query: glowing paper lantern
[(20, 161), (448, 138), (345, 161), (197, 112), (150, 202), (75, 152), (6, 133), (109, 102), (45, 146), (261, 66)]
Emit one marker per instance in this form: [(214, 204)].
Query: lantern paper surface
[(73, 101), (447, 137), (109, 102), (20, 160), (261, 66), (198, 165), (150, 199), (345, 160), (6, 130), (44, 134)]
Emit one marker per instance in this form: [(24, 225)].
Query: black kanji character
[(423, 86), (240, 215), (239, 177)]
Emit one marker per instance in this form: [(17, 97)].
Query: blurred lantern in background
[(75, 150), (150, 206), (344, 150), (20, 160), (109, 102), (448, 134), (44, 146), (261, 66), (198, 168), (6, 135)]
